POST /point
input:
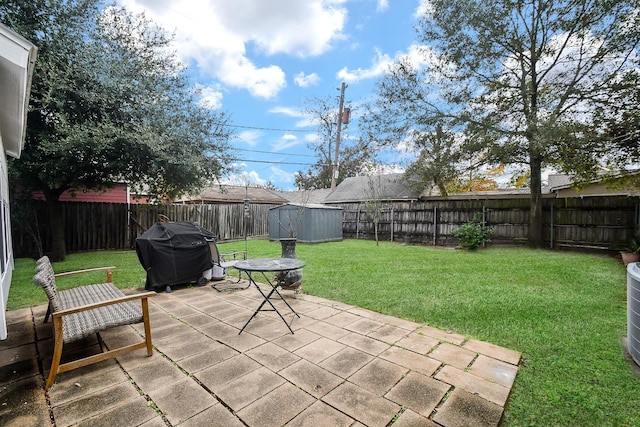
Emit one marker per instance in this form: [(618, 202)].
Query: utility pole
[(336, 163)]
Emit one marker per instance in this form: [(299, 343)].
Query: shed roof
[(307, 206), (233, 194), (388, 187)]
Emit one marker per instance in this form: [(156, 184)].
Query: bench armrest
[(109, 271), (120, 300)]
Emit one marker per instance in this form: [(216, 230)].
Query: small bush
[(473, 234)]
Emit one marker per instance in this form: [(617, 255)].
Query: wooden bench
[(86, 310)]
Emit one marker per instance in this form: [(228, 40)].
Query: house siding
[(117, 194), (18, 59)]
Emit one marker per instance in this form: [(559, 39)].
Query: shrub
[(473, 234)]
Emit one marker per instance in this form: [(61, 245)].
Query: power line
[(274, 129), (271, 152), (280, 163)]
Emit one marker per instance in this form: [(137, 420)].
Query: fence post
[(435, 225), (392, 223), (358, 221), (484, 221), (551, 224)]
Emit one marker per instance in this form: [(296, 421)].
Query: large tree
[(353, 155), (437, 161), (526, 82), (110, 103)]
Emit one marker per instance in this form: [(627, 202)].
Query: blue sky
[(260, 60)]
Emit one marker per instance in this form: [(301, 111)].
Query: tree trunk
[(536, 239), (56, 223), (375, 231)]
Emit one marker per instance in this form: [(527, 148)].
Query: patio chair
[(225, 261), (86, 310)]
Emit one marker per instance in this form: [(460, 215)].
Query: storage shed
[(309, 223)]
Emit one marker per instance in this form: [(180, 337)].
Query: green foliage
[(634, 245), (473, 234), (352, 157), (566, 312), (436, 163), (110, 102), (521, 83)]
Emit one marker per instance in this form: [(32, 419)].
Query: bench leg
[(147, 326), (103, 347), (46, 316), (57, 351)]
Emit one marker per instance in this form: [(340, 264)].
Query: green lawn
[(566, 312)]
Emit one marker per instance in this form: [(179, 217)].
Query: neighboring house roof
[(555, 181), (562, 186), (386, 187), (305, 196), (503, 193), (233, 194), (16, 67)]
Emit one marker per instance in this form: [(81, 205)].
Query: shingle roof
[(233, 194), (386, 187), (306, 196), (556, 181), (492, 194)]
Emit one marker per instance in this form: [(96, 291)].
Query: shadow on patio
[(343, 366)]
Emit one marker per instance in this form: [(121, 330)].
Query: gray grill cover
[(174, 253)]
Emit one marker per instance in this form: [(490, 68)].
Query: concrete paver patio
[(344, 366)]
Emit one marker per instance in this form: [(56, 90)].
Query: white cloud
[(305, 80), (311, 138), (252, 178), (244, 178), (382, 5), (425, 8), (419, 56), (301, 28), (250, 137), (210, 97), (379, 64), (287, 111), (216, 35), (304, 121), (239, 72), (285, 142), (280, 175)]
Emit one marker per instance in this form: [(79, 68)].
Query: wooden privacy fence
[(591, 222), (227, 222), (97, 226)]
